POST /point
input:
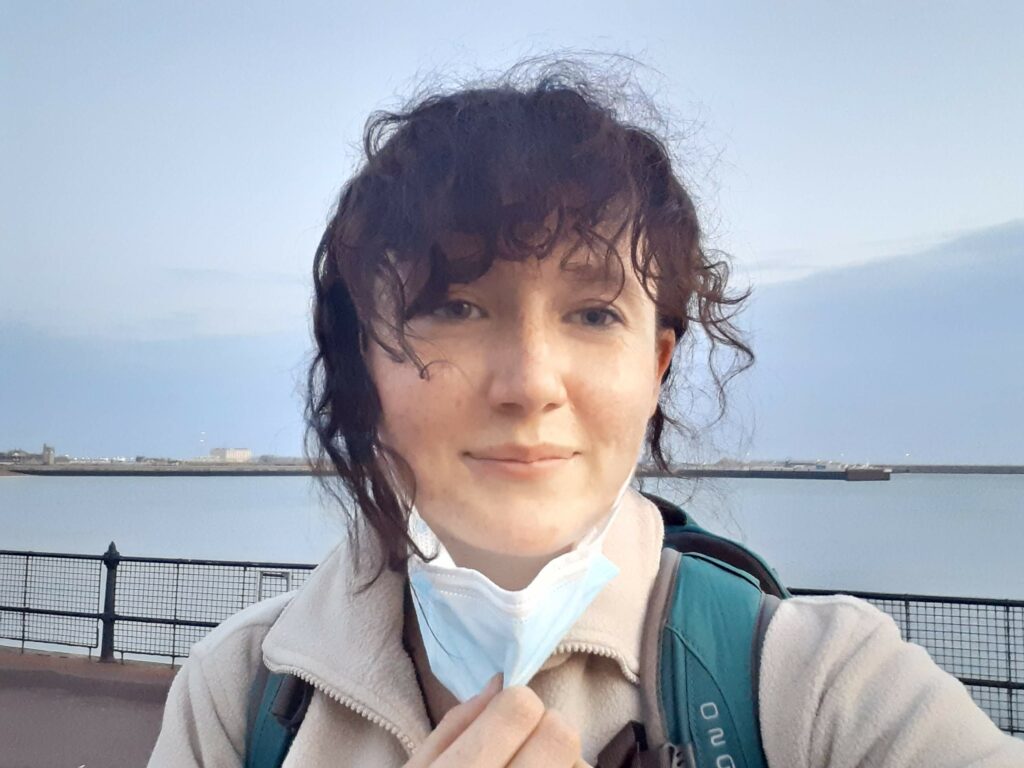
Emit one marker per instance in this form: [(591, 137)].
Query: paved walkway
[(67, 711)]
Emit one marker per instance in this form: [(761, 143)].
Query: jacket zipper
[(406, 742), (352, 704), (597, 650)]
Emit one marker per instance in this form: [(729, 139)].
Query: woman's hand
[(501, 729)]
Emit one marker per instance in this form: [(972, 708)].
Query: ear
[(665, 345)]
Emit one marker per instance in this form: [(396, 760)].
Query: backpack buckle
[(291, 702), (671, 755), (628, 749)]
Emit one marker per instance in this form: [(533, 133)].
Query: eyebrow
[(588, 274)]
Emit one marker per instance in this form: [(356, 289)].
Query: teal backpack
[(710, 608)]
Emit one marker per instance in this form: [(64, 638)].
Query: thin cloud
[(209, 274)]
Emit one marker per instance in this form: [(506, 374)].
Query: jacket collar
[(349, 644)]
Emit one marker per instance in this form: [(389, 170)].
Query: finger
[(453, 724), (554, 742), (497, 734)]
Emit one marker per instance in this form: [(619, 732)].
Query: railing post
[(24, 604), (110, 560), (1011, 720)]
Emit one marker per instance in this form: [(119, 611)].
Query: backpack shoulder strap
[(684, 534), (700, 663), (277, 706)]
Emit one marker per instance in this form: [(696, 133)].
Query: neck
[(511, 572)]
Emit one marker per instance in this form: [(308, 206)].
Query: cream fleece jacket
[(838, 685)]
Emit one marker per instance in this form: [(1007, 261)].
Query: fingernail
[(492, 687)]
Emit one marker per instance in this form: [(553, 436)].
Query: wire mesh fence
[(162, 606), (172, 604), (50, 598), (135, 605)]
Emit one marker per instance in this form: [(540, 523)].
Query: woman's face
[(528, 355)]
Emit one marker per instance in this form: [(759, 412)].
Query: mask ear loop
[(425, 538), (597, 535), (421, 619)]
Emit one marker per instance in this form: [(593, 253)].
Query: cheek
[(395, 390), (614, 419), (415, 410), (620, 392)]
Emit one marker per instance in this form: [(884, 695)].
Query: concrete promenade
[(67, 711)]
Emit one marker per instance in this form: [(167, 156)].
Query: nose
[(527, 368)]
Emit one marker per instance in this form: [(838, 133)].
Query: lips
[(512, 468), (524, 453)]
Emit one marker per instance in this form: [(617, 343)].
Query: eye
[(599, 314), (454, 310)]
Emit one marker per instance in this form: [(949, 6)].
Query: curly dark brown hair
[(504, 169)]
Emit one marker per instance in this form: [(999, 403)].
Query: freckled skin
[(526, 356)]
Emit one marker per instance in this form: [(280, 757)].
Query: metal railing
[(161, 606), (148, 606)]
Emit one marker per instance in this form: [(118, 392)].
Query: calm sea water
[(932, 534)]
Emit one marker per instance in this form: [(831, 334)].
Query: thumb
[(455, 721)]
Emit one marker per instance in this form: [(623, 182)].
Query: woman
[(499, 295)]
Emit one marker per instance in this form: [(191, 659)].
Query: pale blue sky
[(166, 168)]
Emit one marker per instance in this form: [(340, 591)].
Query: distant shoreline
[(182, 469), (800, 472)]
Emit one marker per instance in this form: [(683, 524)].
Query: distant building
[(18, 456), (47, 454), (231, 454)]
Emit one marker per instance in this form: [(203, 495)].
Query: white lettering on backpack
[(716, 735)]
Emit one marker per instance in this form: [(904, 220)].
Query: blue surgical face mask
[(473, 629)]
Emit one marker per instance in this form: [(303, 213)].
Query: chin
[(520, 527), (535, 549), (538, 541)]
